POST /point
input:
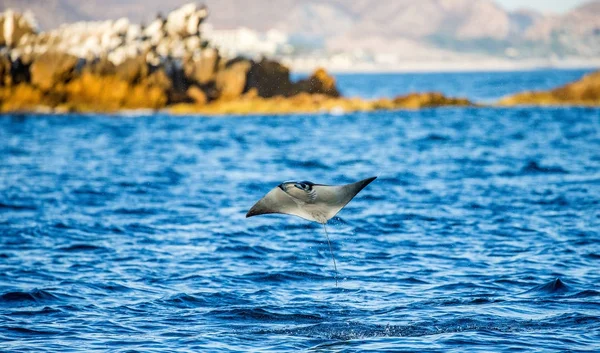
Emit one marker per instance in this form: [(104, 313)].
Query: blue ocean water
[(127, 233), (483, 87)]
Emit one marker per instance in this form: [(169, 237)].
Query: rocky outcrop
[(429, 100), (166, 62), (90, 92), (197, 95), (51, 69), (23, 97), (584, 92), (231, 81), (315, 103), (320, 82), (5, 71), (133, 69), (116, 65), (269, 79), (202, 69)]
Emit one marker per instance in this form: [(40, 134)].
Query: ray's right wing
[(333, 198)]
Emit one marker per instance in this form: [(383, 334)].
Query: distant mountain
[(401, 27)]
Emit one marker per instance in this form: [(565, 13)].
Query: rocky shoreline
[(584, 92), (114, 65), (167, 65)]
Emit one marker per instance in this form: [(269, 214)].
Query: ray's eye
[(300, 186)]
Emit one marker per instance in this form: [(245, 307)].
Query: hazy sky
[(542, 5)]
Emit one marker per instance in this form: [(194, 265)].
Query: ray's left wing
[(277, 201)]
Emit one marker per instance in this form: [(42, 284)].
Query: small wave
[(28, 331), (88, 191), (135, 211), (534, 167), (110, 287), (557, 201), (416, 217), (44, 311), (170, 174), (353, 162), (589, 293), (140, 228), (127, 184), (17, 207), (462, 286), (473, 301), (198, 205), (572, 319), (284, 276), (183, 300), (203, 300), (243, 249), (81, 247), (436, 138), (36, 295), (61, 225), (458, 302), (556, 286), (115, 287), (593, 256), (412, 280), (260, 314), (309, 164)]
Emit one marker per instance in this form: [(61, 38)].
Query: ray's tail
[(332, 257)]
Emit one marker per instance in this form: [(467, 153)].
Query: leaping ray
[(314, 202)]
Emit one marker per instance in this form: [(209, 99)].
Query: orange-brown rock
[(159, 79), (269, 78), (384, 104), (320, 82), (231, 81), (100, 66), (428, 100), (583, 92), (197, 95), (51, 69), (21, 97), (90, 92), (202, 70), (133, 70), (5, 71), (313, 103)]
